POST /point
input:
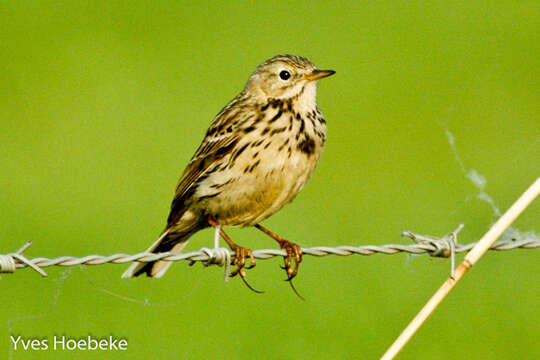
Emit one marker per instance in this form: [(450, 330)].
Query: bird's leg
[(293, 251), (240, 253)]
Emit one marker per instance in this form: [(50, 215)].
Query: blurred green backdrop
[(103, 103)]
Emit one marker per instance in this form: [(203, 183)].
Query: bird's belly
[(250, 196)]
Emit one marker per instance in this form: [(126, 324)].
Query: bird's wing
[(212, 149), (220, 140), (205, 161)]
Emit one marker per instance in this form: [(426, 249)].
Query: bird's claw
[(293, 252), (240, 254)]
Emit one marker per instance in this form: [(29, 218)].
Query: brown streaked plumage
[(257, 154)]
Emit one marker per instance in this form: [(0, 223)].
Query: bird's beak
[(318, 74)]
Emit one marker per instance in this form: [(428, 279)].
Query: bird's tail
[(170, 240)]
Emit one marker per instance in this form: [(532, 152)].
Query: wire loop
[(218, 256)]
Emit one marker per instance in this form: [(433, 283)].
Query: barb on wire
[(11, 261), (443, 247)]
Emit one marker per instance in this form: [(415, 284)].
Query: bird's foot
[(293, 252), (239, 259), (240, 255)]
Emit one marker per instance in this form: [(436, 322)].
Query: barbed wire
[(446, 246)]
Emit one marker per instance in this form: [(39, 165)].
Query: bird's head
[(285, 77)]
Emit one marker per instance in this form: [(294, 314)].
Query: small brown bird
[(258, 153)]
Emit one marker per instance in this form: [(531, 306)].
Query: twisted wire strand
[(221, 256)]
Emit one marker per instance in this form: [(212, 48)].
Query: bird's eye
[(284, 75)]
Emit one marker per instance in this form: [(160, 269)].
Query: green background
[(103, 103)]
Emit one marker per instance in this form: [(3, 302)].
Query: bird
[(256, 156)]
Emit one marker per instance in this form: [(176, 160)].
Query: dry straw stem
[(470, 259)]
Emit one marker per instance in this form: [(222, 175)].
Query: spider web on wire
[(479, 181)]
